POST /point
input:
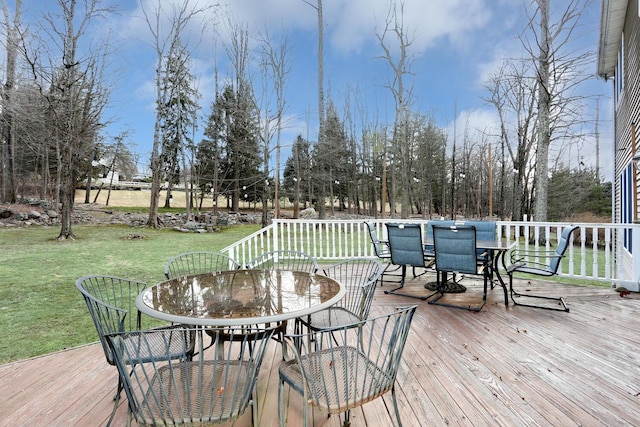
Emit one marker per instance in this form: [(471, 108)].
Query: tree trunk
[(321, 196), (8, 155), (67, 196), (544, 105)]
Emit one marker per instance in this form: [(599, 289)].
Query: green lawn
[(40, 309)]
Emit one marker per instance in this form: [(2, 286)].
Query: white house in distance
[(619, 61)]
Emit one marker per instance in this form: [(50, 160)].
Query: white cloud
[(351, 24), (475, 125)]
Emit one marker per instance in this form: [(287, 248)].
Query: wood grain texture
[(504, 366)]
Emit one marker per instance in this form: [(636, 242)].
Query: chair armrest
[(518, 255), (518, 264)]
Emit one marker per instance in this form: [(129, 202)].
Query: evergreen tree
[(179, 112), (232, 132), (296, 173), (331, 160)]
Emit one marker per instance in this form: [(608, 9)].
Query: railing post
[(635, 242)]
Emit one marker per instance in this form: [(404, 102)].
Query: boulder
[(309, 213)]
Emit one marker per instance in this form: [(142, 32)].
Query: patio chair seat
[(351, 370), (333, 316), (203, 379)]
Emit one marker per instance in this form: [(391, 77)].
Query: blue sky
[(457, 43)]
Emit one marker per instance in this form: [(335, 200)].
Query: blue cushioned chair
[(381, 249), (540, 263), (455, 250), (407, 249)]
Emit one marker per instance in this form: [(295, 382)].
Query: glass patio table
[(239, 297)]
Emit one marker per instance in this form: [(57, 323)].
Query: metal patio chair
[(203, 390), (455, 250), (356, 364), (359, 276), (111, 303), (540, 263), (284, 260), (189, 263)]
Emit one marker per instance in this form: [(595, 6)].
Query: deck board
[(503, 366)]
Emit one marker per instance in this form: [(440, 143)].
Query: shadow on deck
[(503, 366)]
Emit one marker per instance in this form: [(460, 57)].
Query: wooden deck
[(513, 366)]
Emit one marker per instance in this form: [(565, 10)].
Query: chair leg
[(116, 401), (387, 271), (515, 294), (281, 414), (394, 291), (254, 407), (347, 418), (440, 290), (395, 405)]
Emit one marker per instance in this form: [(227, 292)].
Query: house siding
[(628, 108)]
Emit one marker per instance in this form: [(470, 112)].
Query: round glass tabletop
[(239, 297)]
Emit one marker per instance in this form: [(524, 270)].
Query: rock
[(309, 213), (5, 213), (191, 224), (52, 214), (34, 214)]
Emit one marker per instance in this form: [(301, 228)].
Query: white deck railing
[(597, 251)]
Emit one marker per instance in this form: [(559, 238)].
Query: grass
[(41, 310)]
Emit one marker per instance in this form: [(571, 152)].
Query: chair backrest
[(284, 260), (405, 243), (563, 244), (111, 303), (359, 276), (197, 263), (485, 230), (356, 363), (208, 388), (380, 250), (455, 248)]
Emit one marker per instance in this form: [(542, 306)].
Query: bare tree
[(73, 88), (402, 93), (512, 91), (276, 60), (561, 67)]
